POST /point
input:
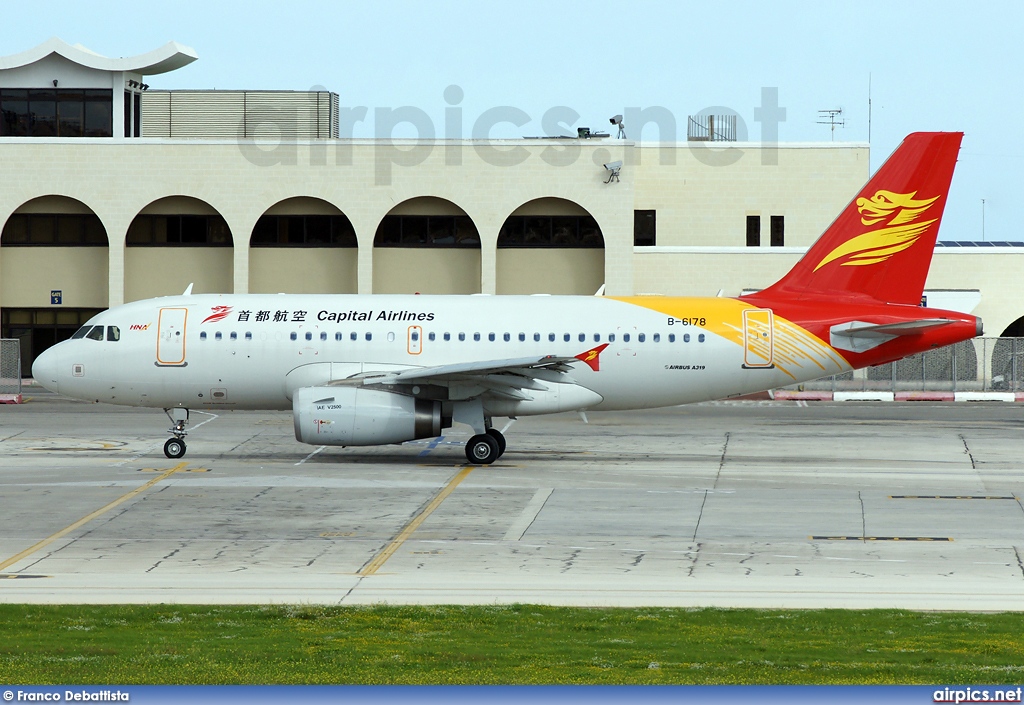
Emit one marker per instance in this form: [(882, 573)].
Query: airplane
[(360, 370)]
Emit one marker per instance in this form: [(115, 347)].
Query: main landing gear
[(175, 447), (485, 448)]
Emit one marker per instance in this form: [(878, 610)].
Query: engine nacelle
[(353, 416)]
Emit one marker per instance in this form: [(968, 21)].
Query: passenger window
[(625, 337), (657, 337), (611, 337), (566, 337), (96, 333), (462, 336), (202, 336), (551, 337), (671, 337), (447, 337), (700, 338), (490, 337), (536, 337), (218, 335), (234, 335), (391, 337), (430, 337), (248, 335), (294, 336), (641, 337), (113, 334), (353, 336), (583, 337), (686, 337), (309, 335), (597, 337), (369, 336), (415, 335), (323, 335), (507, 337), (522, 337), (476, 337)]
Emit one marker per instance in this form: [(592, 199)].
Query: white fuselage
[(254, 351)]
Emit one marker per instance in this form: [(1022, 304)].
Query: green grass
[(166, 644)]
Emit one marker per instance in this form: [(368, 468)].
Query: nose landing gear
[(175, 447)]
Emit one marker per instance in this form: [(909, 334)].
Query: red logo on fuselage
[(219, 314), (593, 357)]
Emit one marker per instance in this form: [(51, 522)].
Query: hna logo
[(219, 314), (897, 211), (139, 326)]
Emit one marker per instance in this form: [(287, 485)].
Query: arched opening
[(177, 241), (426, 245), (1014, 330), (54, 260), (550, 246), (303, 245)]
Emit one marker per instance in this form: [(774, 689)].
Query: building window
[(26, 229), (50, 112), (426, 231), (179, 231), (644, 229), (778, 230), (753, 231), (570, 231), (303, 231)]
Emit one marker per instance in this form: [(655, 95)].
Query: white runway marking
[(529, 515)]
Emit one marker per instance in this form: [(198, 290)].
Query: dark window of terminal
[(555, 231), (70, 230), (426, 231), (179, 231), (778, 230), (644, 229), (30, 112), (753, 231), (303, 231)]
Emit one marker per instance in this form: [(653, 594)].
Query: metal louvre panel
[(240, 114), (156, 114)]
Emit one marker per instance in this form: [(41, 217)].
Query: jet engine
[(353, 416)]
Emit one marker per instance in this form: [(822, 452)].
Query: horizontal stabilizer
[(858, 336)]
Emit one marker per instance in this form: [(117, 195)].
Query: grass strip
[(519, 644)]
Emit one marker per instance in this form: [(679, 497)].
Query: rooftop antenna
[(832, 118)]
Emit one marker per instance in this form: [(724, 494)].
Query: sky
[(929, 65)]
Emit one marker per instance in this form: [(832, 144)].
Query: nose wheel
[(174, 448)]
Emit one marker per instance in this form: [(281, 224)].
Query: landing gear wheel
[(174, 448), (482, 449), (497, 435)]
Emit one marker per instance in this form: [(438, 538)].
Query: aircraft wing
[(858, 336)]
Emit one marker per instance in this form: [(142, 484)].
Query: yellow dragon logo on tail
[(899, 211)]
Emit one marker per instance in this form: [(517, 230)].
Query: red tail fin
[(881, 245)]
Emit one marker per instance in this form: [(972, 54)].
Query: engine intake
[(353, 416)]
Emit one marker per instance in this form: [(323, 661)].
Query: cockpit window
[(96, 333), (113, 333), (80, 333)]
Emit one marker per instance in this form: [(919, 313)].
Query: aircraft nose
[(45, 367)]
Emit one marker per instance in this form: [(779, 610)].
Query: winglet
[(593, 357), (188, 291)]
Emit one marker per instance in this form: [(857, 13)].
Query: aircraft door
[(758, 338), (415, 340), (170, 345)]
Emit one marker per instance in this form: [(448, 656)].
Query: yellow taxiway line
[(382, 557), (86, 519)]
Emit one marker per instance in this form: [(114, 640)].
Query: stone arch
[(550, 246), (427, 245), (175, 241), (303, 245)]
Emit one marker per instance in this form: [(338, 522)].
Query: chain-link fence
[(10, 367), (978, 365)]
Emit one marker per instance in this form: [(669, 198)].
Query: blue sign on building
[(56, 297)]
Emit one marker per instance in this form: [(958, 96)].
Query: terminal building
[(115, 191)]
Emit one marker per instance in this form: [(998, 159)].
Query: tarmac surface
[(753, 504)]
